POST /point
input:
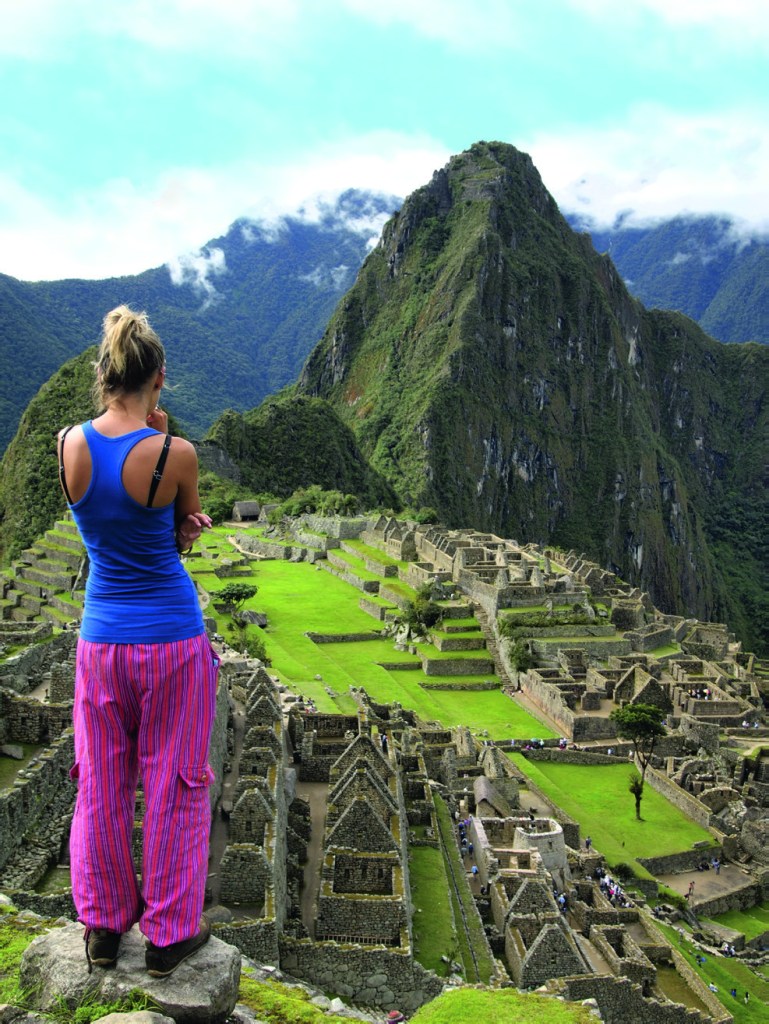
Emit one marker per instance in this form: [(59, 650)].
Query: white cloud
[(125, 227), (660, 164), (198, 270), (460, 25), (741, 22), (37, 28)]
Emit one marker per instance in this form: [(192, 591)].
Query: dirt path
[(316, 793)]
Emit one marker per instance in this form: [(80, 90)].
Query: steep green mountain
[(294, 441), (702, 266), (237, 319), (492, 365)]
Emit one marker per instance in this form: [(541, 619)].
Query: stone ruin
[(357, 935)]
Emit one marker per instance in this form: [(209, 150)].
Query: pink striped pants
[(143, 709)]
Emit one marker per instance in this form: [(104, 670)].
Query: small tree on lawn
[(642, 725), (234, 596), (636, 787)]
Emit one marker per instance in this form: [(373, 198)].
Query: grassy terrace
[(357, 565), (505, 613), (468, 929), (726, 973), (751, 923), (9, 768), (366, 551), (299, 598), (433, 922), (471, 624), (598, 798)]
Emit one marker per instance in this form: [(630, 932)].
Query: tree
[(636, 787), (235, 595), (521, 657), (422, 614), (642, 725)]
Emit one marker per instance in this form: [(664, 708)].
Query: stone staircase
[(492, 646), (45, 582)]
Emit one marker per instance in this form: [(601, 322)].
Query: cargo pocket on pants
[(194, 809)]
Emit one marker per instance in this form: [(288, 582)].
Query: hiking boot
[(101, 947), (162, 960)]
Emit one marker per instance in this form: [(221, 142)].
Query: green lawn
[(598, 798), (298, 598), (433, 923), (9, 767), (500, 1006), (751, 922), (727, 973)]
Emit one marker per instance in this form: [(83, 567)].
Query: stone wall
[(744, 898), (375, 976), (50, 905), (690, 805), (28, 720), (358, 917), (217, 754), (373, 608), (677, 863), (456, 666), (257, 939), (348, 576), (37, 806), (621, 1000), (277, 549), (338, 527), (23, 672)]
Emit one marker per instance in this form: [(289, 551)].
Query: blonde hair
[(129, 354)]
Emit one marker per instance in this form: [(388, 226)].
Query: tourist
[(588, 843), (145, 683), (712, 987), (716, 865)]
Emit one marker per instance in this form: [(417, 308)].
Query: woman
[(145, 684)]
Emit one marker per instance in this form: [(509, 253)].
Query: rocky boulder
[(202, 990)]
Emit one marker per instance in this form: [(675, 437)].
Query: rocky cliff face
[(493, 365)]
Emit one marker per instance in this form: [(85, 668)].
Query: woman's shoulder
[(181, 453)]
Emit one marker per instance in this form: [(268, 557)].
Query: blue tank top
[(137, 591)]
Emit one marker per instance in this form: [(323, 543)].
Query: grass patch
[(276, 1003), (433, 922), (726, 973), (14, 939), (598, 798), (10, 767), (665, 650), (502, 1006), (355, 565), (297, 598), (467, 924), (374, 554), (751, 923)]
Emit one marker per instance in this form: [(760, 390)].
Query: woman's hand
[(158, 420), (190, 528)]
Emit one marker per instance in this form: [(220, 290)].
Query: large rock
[(202, 990)]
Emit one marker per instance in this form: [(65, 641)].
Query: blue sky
[(133, 131)]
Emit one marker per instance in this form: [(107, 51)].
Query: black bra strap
[(62, 477), (157, 473)]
